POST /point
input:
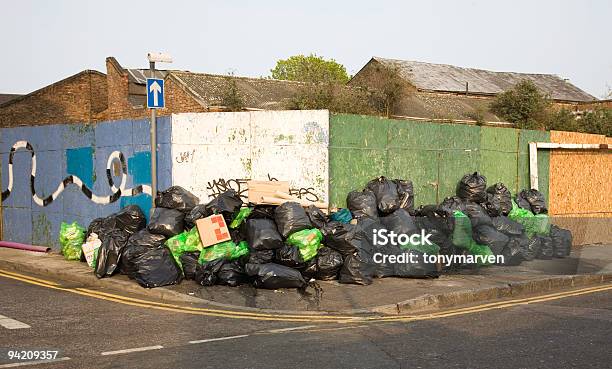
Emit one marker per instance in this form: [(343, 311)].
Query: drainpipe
[(23, 246)]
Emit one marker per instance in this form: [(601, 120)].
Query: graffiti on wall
[(117, 192), (218, 186)]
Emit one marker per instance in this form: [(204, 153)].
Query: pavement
[(586, 266), (560, 330)]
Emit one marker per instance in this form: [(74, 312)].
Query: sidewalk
[(586, 266)]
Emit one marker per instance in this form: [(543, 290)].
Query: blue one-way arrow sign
[(155, 93)]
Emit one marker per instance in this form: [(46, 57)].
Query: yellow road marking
[(28, 277), (301, 318)]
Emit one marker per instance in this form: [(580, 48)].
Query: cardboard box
[(258, 189), (213, 230)]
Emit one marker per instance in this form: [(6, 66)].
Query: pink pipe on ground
[(23, 246)]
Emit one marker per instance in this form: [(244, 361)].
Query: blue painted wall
[(80, 150)]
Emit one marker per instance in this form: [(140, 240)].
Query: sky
[(45, 41)]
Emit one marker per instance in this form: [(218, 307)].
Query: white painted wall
[(211, 151)]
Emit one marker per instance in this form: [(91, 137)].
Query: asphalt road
[(573, 332)]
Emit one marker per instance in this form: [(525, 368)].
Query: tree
[(523, 105), (231, 98), (311, 68)]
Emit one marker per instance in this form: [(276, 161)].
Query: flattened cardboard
[(213, 230), (258, 189)]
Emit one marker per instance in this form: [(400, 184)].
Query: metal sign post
[(155, 100)]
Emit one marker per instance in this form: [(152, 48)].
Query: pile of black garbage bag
[(288, 246)]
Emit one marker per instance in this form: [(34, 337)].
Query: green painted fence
[(433, 155)]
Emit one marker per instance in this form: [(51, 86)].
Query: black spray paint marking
[(117, 192), (218, 186)]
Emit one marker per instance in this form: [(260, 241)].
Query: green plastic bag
[(477, 249), (240, 217), (541, 224), (462, 233), (188, 241), (224, 250), (308, 241), (432, 249), (71, 237), (534, 224)]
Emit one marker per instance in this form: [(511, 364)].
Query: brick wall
[(66, 101), (119, 106)]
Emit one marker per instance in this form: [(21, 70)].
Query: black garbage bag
[(400, 222), (451, 204), (328, 262), (178, 198), (387, 194), (227, 203), (198, 212), (231, 274), (489, 236), (561, 241), (274, 276), (499, 200), (156, 267), (530, 247), (168, 222), (262, 211), (507, 226), (405, 191), (362, 204), (129, 219), (189, 260), (472, 187), (532, 200), (344, 237), (358, 268), (383, 267), (147, 239), (262, 234), (289, 256), (310, 269), (137, 244), (477, 214), (260, 256), (512, 252), (206, 274), (316, 216), (439, 229), (419, 269), (291, 217), (96, 226), (109, 253), (546, 248)]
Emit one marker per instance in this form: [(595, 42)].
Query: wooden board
[(580, 180), (259, 189)]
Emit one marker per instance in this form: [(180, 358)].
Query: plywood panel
[(581, 180)]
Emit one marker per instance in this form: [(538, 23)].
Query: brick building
[(451, 92), (92, 96)]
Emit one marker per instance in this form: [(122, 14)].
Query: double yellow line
[(299, 318)]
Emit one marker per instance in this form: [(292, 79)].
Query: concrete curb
[(514, 289), (84, 276)]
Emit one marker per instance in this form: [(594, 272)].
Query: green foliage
[(311, 68), (231, 98), (335, 98), (562, 120), (597, 121), (523, 105)]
